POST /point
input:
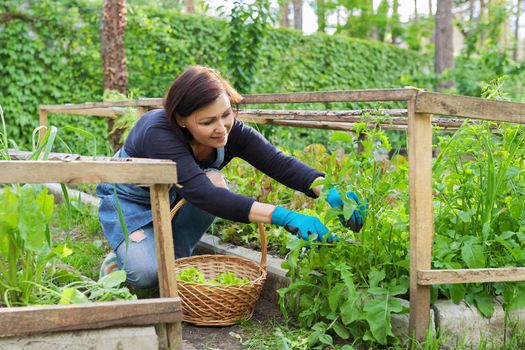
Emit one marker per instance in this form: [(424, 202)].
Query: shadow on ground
[(266, 315)]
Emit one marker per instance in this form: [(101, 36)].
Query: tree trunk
[(285, 14), (395, 25), (298, 14), (517, 32), (321, 16), (430, 12), (482, 8), (113, 25), (444, 53), (190, 6), (416, 16)]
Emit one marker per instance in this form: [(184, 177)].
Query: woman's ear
[(180, 121)]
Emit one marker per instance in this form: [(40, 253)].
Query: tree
[(320, 9), (190, 6), (517, 31), (284, 11), (113, 25), (443, 56), (298, 14)]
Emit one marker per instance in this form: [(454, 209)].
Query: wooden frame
[(421, 106), (158, 175)]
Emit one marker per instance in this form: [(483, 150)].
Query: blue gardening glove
[(299, 224), (355, 222)]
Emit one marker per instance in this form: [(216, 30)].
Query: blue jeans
[(140, 260)]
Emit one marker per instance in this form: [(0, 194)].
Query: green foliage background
[(53, 57)]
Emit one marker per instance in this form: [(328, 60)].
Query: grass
[(83, 235)]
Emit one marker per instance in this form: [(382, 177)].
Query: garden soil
[(266, 315)]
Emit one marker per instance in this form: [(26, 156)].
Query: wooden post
[(160, 208), (42, 121), (141, 110), (421, 215)]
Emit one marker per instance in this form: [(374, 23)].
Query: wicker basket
[(222, 305)]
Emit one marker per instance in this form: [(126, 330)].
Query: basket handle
[(264, 244)]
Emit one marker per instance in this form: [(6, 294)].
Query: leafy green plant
[(194, 275), (25, 243), (31, 271)]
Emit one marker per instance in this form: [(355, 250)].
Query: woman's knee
[(217, 178), (138, 259), (142, 275)]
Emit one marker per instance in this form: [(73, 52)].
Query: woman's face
[(211, 124)]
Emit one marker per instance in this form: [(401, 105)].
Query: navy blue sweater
[(152, 137)]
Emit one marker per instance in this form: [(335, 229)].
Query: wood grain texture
[(333, 96), (39, 319), (421, 215), (20, 171), (160, 207), (470, 107), (504, 274)]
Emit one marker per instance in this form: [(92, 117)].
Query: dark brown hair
[(195, 88)]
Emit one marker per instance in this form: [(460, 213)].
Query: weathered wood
[(380, 117), (141, 110), (470, 107), (20, 171), (504, 274), (39, 319), (333, 96), (42, 121), (146, 102), (160, 208), (346, 126), (297, 97), (108, 112), (421, 215), (69, 157)]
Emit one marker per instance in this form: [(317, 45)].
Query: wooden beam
[(141, 110), (108, 112), (347, 126), (421, 215), (504, 274), (21, 171), (42, 121), (146, 102), (470, 107), (160, 207), (18, 321), (333, 96), (298, 97)]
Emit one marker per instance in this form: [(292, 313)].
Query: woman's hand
[(355, 222), (301, 225)]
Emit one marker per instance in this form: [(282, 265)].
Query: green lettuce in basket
[(192, 274)]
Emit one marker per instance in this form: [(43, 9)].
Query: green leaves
[(25, 241)]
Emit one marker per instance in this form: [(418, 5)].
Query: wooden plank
[(333, 96), (18, 321), (421, 215), (299, 97), (20, 171), (147, 102), (470, 107), (141, 111), (69, 157), (504, 274), (109, 112), (160, 208), (42, 121), (382, 116), (347, 126)]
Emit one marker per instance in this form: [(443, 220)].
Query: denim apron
[(134, 202)]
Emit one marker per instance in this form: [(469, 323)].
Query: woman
[(198, 130)]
